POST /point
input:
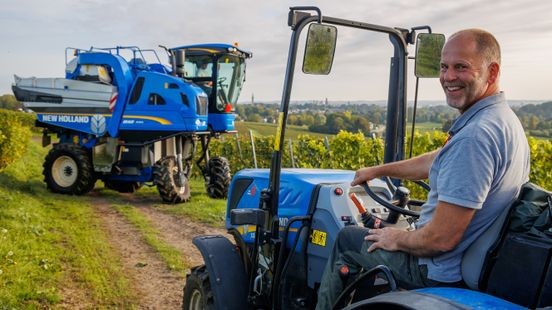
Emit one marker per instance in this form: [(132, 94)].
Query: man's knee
[(351, 238)]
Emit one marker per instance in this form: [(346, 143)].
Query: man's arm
[(441, 234), (416, 168)]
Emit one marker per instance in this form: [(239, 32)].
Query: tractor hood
[(296, 188)]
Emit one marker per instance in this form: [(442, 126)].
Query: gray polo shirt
[(482, 167)]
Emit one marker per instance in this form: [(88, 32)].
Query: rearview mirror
[(320, 49), (428, 54), (179, 59)]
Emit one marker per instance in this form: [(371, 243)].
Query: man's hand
[(385, 238), (440, 235), (364, 175)]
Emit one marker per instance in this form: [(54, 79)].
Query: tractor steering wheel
[(396, 206)]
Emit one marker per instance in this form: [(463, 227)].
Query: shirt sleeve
[(466, 170)]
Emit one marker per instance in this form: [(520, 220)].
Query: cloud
[(35, 33)]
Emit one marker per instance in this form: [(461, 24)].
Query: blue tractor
[(124, 117), (284, 222)]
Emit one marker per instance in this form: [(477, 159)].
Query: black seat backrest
[(476, 257), (480, 256)]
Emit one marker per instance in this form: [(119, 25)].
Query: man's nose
[(448, 75)]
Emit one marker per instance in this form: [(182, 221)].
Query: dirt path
[(156, 286), (176, 231)]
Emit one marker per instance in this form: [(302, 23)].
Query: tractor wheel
[(68, 170), (197, 293), (165, 176), (123, 187), (218, 177)]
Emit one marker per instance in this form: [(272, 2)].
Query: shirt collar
[(484, 103)]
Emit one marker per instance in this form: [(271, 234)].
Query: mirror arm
[(411, 36), (295, 17), (428, 28)]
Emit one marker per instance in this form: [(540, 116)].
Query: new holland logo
[(97, 124)]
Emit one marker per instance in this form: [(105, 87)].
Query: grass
[(49, 241), (428, 126), (201, 208), (265, 129), (169, 254)]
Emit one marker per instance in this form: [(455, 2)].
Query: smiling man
[(473, 177)]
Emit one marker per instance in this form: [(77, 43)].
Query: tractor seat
[(475, 261)]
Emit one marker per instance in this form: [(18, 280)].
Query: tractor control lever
[(401, 195), (367, 219)]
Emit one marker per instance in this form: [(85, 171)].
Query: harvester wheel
[(218, 177), (68, 170), (197, 292), (165, 176), (123, 187)]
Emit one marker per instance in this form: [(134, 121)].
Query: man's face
[(464, 75)]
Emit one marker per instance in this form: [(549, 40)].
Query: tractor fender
[(226, 271)]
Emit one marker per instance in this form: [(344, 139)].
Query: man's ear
[(494, 71)]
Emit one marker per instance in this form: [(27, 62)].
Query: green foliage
[(9, 102), (249, 112), (343, 121), (49, 242), (14, 136), (536, 119), (353, 150), (541, 162), (331, 118)]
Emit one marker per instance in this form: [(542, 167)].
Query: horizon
[(513, 102)]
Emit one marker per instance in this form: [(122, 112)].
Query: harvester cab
[(284, 221), (219, 69)]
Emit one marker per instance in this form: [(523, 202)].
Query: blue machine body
[(147, 97), (159, 102), (470, 299), (296, 194)]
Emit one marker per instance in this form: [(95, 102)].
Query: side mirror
[(428, 54), (179, 58), (320, 49)]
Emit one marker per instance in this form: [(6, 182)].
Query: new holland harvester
[(124, 117)]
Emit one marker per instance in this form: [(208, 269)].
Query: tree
[(363, 125), (533, 122), (254, 118), (9, 102), (319, 119)]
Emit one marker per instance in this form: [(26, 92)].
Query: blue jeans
[(351, 249)]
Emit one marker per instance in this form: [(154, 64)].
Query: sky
[(35, 33)]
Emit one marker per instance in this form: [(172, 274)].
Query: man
[(202, 71), (476, 174)]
